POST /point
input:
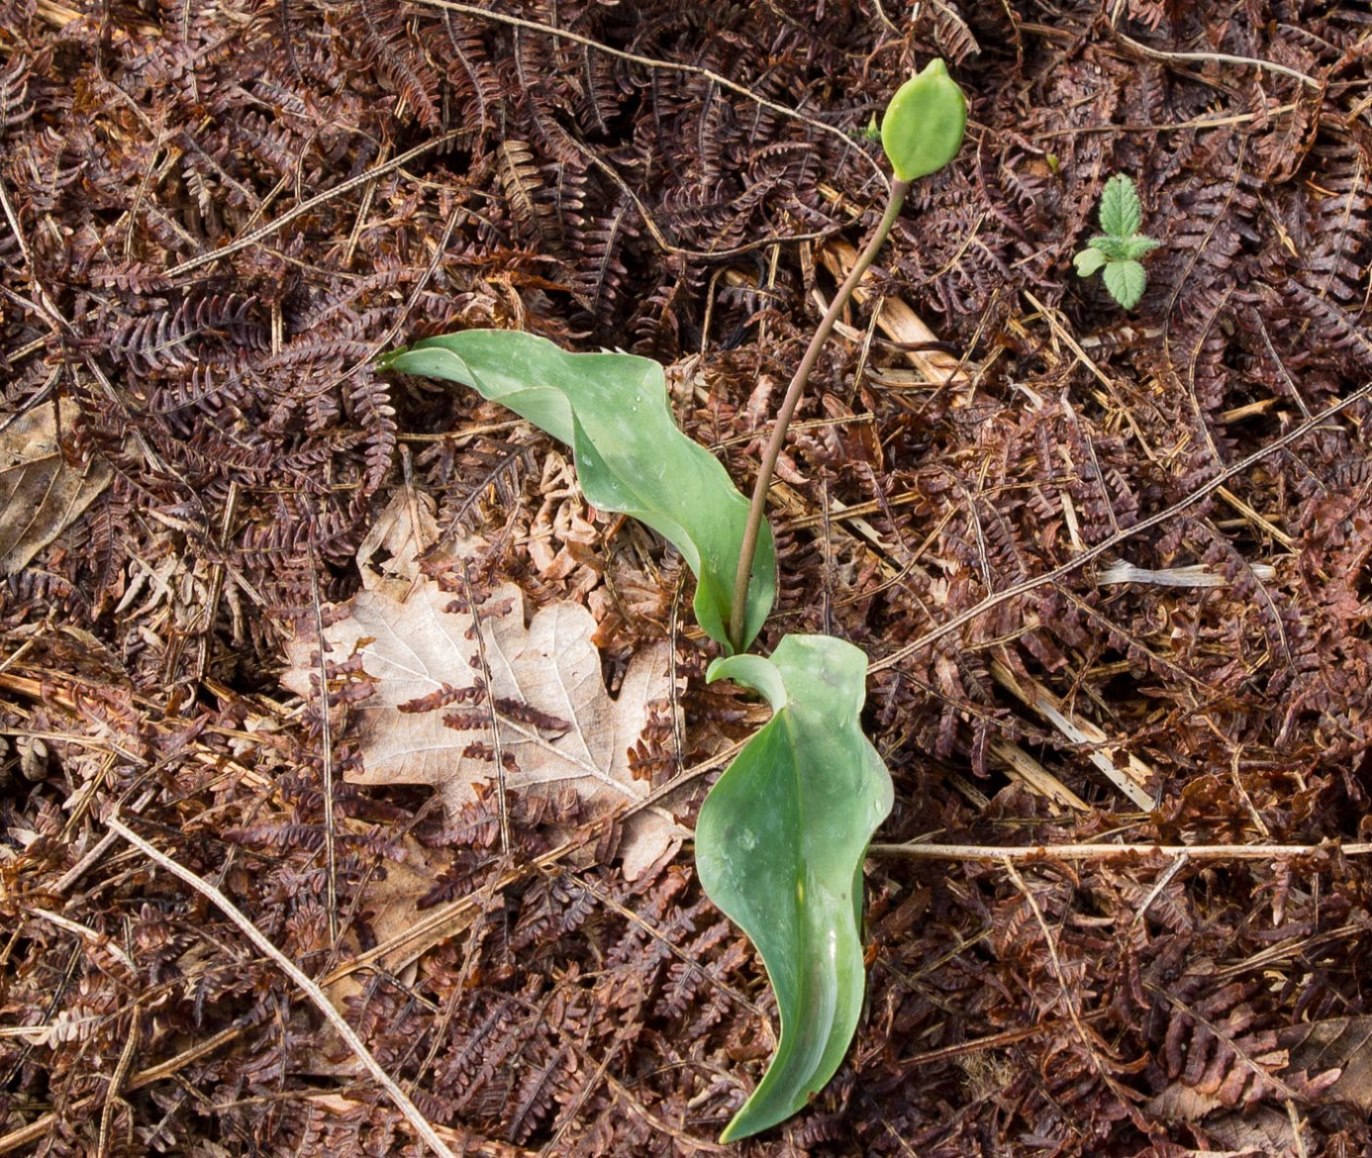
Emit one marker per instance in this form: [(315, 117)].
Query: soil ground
[(1113, 569)]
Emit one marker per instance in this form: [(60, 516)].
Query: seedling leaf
[(1135, 247), (630, 455), (1088, 261), (1126, 281), (779, 848), (1116, 252), (923, 126), (1121, 215)]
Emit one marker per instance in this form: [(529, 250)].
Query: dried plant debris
[(459, 694), (216, 216), (41, 494)]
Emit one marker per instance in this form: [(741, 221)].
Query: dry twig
[(316, 995)]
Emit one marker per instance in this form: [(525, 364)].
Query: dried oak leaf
[(40, 494), (1324, 1062), (429, 717), (1340, 1046)]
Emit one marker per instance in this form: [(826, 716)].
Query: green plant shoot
[(1117, 251), (924, 123), (782, 835), (920, 134)]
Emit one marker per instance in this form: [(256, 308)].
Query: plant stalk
[(757, 509)]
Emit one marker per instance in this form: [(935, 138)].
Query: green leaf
[(779, 848), (923, 126), (1121, 215), (1088, 261), (1126, 281), (1111, 248), (631, 457), (1135, 247)]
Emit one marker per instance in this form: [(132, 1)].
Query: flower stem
[(758, 508)]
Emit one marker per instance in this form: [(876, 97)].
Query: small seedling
[(1116, 252)]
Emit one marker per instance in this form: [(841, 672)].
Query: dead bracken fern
[(215, 215)]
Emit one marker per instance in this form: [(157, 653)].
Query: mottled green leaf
[(779, 847), (631, 457)]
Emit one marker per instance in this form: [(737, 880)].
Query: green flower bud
[(923, 126)]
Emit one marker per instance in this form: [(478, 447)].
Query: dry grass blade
[(1073, 852)]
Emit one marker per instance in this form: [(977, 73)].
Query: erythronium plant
[(782, 835)]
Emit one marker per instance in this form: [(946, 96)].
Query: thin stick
[(1089, 1041), (758, 508), (717, 78), (247, 241), (497, 750), (96, 939), (975, 852), (114, 1092), (40, 1127), (1108, 545), (1310, 82), (326, 755), (287, 966)]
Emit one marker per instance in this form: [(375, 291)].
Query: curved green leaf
[(779, 848), (631, 457)]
